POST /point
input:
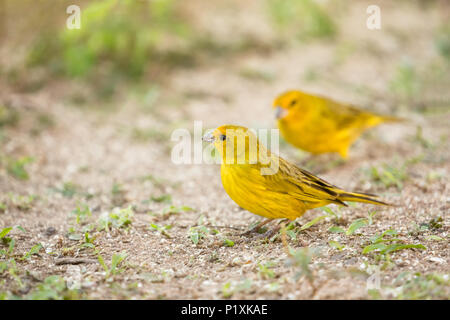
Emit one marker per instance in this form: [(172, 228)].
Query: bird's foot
[(256, 228), (268, 234)]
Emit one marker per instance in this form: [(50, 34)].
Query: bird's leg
[(270, 233), (257, 227)]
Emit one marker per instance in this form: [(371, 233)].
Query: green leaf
[(195, 237), (16, 168), (75, 236), (35, 249), (358, 223), (330, 212), (198, 233), (116, 260), (335, 229), (399, 246), (12, 243), (380, 237), (166, 198), (312, 222), (369, 248), (371, 214), (435, 238), (102, 263), (291, 234), (335, 244), (4, 232), (21, 229), (228, 243)]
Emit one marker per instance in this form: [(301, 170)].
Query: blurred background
[(140, 49), (158, 65), (86, 117)]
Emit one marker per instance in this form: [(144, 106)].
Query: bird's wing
[(346, 116), (300, 184)]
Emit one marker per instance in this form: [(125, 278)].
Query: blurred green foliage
[(405, 83), (8, 116), (442, 41), (115, 36), (305, 19)]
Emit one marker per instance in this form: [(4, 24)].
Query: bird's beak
[(208, 137), (280, 112)]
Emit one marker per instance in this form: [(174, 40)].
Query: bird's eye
[(293, 103), (223, 137)]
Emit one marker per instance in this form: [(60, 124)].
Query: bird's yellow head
[(288, 104), (236, 144)]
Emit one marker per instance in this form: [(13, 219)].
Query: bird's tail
[(376, 119), (361, 197), (392, 119)]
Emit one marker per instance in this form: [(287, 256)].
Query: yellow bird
[(266, 184), (320, 125)]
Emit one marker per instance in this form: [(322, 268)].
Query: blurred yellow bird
[(320, 125), (266, 184)]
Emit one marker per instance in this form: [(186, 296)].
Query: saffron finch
[(266, 184), (320, 125)]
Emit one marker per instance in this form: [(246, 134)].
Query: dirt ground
[(118, 155)]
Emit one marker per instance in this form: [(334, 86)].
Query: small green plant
[(116, 260), (417, 286), (8, 116), (4, 232), (228, 243), (118, 194), (301, 259), (357, 224), (442, 41), (165, 198), (305, 19), (265, 270), (34, 250), (68, 190), (312, 222), (10, 242), (405, 82), (17, 167), (386, 245), (162, 230), (171, 210), (389, 176), (336, 245), (230, 288), (176, 210), (22, 202), (11, 266), (336, 229), (329, 214), (432, 225), (418, 137), (88, 241), (118, 218), (198, 233), (81, 212), (52, 288)]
